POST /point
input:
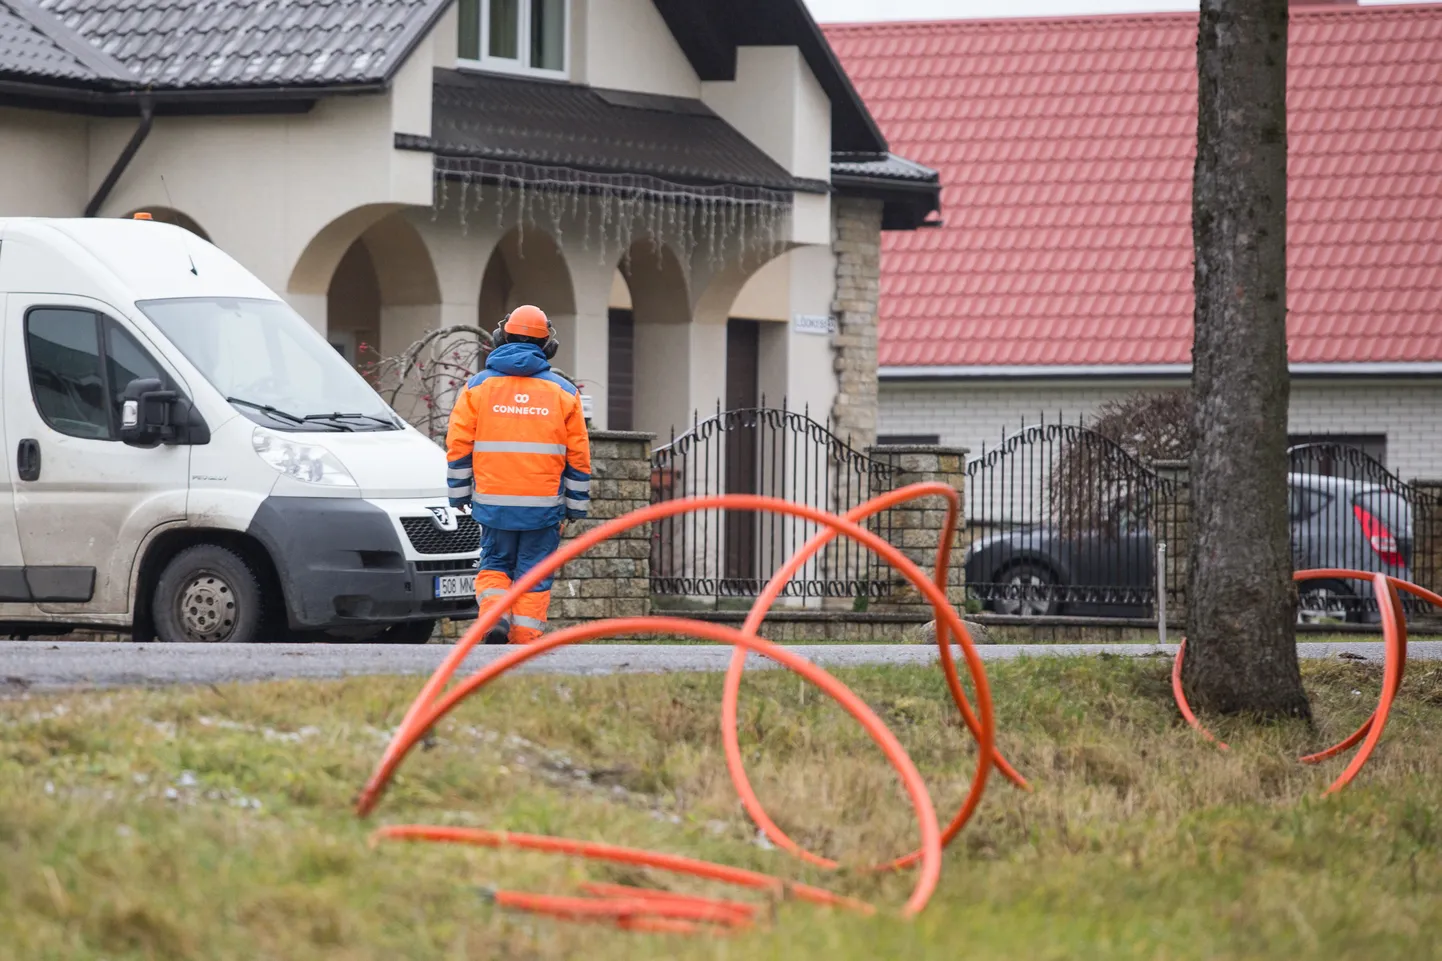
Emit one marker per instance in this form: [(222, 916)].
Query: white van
[(190, 460)]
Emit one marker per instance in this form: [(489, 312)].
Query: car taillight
[(1379, 537)]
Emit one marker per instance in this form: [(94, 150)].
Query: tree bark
[(1241, 642)]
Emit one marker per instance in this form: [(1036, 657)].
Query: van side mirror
[(151, 414)]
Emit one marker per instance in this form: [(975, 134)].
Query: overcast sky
[(834, 11)]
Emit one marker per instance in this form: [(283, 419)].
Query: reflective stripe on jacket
[(517, 446)]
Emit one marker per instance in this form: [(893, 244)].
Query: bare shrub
[(422, 381), (1149, 426), (1101, 477)]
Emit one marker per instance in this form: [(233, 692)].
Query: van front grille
[(446, 567), (427, 538)]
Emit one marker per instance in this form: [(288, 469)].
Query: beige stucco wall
[(680, 345), (289, 195), (811, 373), (44, 159), (767, 295), (264, 187), (444, 40), (778, 104), (626, 45), (794, 365)]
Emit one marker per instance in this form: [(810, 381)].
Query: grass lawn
[(214, 823)]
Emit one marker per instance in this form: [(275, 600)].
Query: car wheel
[(411, 632), (1326, 602), (1026, 591), (209, 594)]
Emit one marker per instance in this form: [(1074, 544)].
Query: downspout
[(147, 116)]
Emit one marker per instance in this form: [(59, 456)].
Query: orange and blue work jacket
[(517, 447)]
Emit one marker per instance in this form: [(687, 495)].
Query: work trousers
[(505, 557)]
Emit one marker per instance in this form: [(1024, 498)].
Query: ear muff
[(548, 349)]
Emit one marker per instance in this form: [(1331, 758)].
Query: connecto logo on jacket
[(517, 446)]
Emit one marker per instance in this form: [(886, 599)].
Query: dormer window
[(515, 36)]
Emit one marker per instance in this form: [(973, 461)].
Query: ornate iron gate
[(1063, 521), (776, 452)]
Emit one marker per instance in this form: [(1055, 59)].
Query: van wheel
[(411, 632), (209, 594)]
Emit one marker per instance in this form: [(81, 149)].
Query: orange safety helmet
[(527, 321)]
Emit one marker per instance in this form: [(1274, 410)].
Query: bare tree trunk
[(1241, 643)]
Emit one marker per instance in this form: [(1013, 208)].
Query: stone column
[(856, 229), (1427, 535), (916, 527), (1171, 519), (613, 579)]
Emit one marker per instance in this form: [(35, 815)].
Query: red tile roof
[(1065, 148)]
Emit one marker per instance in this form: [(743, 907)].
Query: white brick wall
[(970, 415)]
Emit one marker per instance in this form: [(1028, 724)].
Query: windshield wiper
[(343, 416), (275, 412)]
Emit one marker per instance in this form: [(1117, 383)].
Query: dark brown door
[(621, 371), (743, 340)]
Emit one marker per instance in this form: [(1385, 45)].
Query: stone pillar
[(613, 579), (1427, 535), (1171, 519), (856, 231), (916, 527)]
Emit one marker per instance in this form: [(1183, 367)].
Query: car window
[(63, 350), (125, 361), (1130, 513)]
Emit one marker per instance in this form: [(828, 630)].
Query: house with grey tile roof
[(692, 189)]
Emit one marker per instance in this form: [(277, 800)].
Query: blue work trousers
[(513, 553)]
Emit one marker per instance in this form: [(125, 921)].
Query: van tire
[(209, 594)]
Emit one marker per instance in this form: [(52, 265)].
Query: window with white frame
[(519, 36)]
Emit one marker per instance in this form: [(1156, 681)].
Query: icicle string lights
[(707, 225)]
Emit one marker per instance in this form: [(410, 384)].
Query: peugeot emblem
[(445, 518)]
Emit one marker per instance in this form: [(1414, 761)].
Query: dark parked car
[(1109, 568)]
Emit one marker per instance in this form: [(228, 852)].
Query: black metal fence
[(1347, 510), (777, 452), (1063, 521)]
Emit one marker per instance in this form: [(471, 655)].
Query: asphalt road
[(52, 665)]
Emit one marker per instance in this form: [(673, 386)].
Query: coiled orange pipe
[(735, 765), (434, 702), (1394, 638)]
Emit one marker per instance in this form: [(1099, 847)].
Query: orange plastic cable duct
[(1394, 637), (615, 854), (435, 701), (735, 764)]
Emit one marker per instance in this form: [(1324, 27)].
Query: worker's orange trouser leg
[(529, 620), (491, 586)]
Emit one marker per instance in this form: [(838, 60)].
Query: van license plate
[(455, 585)]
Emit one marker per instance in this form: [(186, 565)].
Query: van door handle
[(27, 460)]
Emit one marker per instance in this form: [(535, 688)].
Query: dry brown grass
[(214, 823)]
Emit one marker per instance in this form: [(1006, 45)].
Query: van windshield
[(270, 364)]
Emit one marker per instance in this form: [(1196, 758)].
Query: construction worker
[(520, 458)]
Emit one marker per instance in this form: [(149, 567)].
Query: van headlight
[(309, 463)]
